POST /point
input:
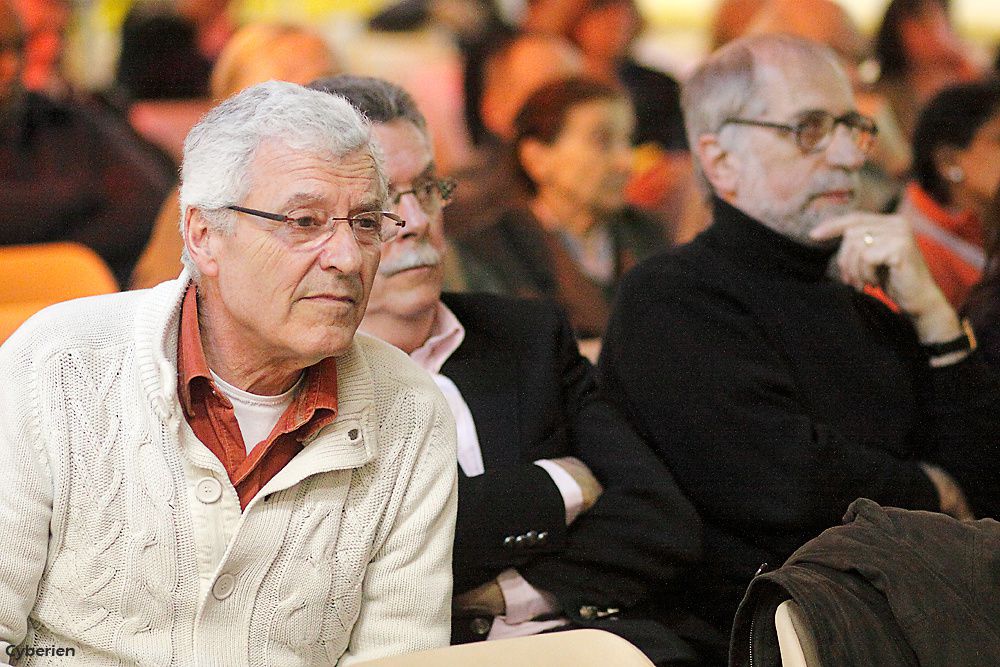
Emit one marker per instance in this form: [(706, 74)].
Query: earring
[(955, 174)]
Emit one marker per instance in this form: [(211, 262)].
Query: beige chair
[(35, 276), (574, 648), (795, 640)]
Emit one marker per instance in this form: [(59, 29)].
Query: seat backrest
[(795, 640), (574, 648), (47, 273)]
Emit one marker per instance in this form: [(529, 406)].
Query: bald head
[(518, 70)]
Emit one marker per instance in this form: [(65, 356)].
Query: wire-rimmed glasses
[(310, 228)]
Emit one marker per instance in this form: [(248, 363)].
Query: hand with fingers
[(881, 250)]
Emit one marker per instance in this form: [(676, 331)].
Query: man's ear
[(719, 165), (198, 238), (534, 158)]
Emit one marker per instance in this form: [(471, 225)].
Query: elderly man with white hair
[(216, 470)]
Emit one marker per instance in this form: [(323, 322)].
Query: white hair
[(219, 150), (726, 85)]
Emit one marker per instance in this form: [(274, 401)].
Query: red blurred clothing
[(952, 243), (211, 416)]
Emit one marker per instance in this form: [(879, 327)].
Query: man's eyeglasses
[(432, 194), (814, 132), (311, 228)]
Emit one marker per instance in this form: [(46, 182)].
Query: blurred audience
[(69, 172), (159, 57), (777, 394), (258, 52), (490, 183), (919, 53), (956, 168), (575, 236), (605, 31), (983, 305)]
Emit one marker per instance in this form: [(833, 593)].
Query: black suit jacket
[(532, 396)]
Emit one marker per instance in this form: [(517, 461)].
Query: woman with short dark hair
[(576, 236), (956, 167)]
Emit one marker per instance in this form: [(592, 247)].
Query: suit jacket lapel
[(488, 377)]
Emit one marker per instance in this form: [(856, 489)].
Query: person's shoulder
[(389, 366), (88, 324)]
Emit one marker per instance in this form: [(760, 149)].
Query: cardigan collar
[(747, 242)]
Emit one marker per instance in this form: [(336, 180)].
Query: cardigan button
[(208, 490), (223, 586)]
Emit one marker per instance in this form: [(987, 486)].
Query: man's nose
[(417, 219), (843, 150), (342, 251)]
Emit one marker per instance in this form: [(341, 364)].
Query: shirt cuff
[(570, 491), (523, 601)]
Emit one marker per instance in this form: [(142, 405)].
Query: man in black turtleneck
[(777, 393)]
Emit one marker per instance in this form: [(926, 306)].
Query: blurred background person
[(490, 183), (44, 23), (69, 172), (605, 31), (575, 236), (258, 52), (956, 169), (919, 53)]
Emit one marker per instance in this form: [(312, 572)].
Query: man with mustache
[(776, 393), (566, 519), (216, 470)]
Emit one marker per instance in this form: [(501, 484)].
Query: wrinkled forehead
[(796, 83), (276, 165)]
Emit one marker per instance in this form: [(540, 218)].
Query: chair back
[(795, 640), (35, 276), (574, 648)]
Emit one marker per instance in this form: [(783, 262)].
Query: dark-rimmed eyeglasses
[(310, 228), (432, 194), (814, 132)]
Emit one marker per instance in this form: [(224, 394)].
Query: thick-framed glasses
[(310, 228), (814, 132), (432, 194)]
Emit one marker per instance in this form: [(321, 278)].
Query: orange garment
[(953, 252), (211, 416)]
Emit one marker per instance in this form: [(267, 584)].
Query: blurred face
[(786, 189), (410, 275), (297, 58), (287, 305), (44, 24), (980, 161), (589, 163), (605, 32), (531, 62)]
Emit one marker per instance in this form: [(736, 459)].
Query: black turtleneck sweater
[(778, 395)]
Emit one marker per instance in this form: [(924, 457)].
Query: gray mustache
[(423, 254)]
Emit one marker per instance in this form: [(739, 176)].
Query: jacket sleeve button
[(481, 626)]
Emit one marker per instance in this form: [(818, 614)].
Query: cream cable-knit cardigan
[(115, 542)]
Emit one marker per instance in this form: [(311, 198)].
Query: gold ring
[(868, 238)]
